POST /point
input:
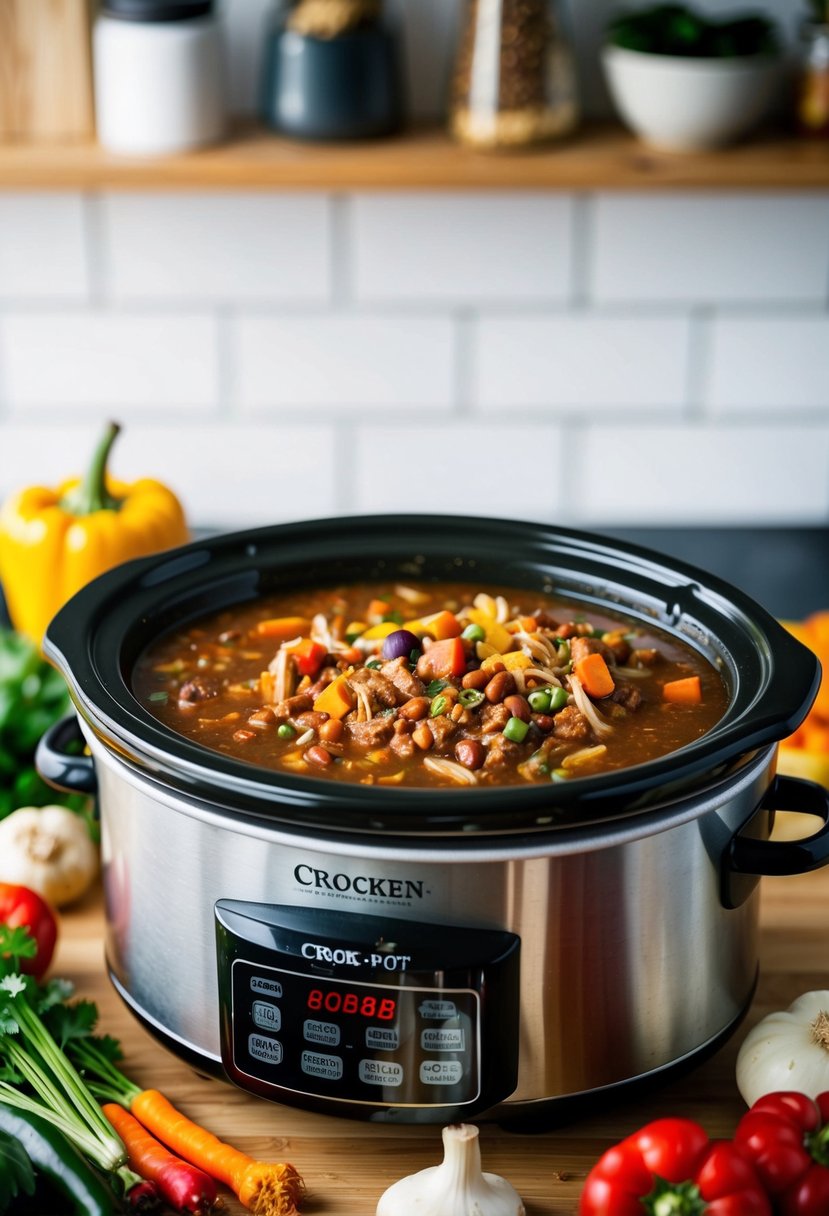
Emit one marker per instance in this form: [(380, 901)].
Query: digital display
[(362, 1005)]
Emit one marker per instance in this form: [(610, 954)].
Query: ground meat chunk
[(374, 733), (197, 689), (627, 695), (442, 728), (381, 690), (544, 620), (398, 672), (501, 753), (292, 705), (494, 717), (570, 723), (580, 648), (403, 746)]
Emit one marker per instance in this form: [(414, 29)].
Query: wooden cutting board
[(45, 70), (347, 1165)]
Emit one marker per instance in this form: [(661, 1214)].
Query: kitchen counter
[(347, 1165)]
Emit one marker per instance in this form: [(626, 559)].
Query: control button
[(442, 1039), (267, 1016), (382, 1038), (381, 1072), (327, 1033), (315, 1065), (268, 1050), (258, 983), (441, 1072), (438, 1009)]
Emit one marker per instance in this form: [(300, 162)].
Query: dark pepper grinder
[(332, 71)]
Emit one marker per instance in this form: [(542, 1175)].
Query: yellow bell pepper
[(54, 541)]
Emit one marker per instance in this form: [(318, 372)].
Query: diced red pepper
[(308, 655)]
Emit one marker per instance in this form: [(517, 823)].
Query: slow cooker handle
[(748, 855), (71, 772)]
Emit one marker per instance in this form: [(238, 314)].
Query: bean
[(544, 722), (262, 718), (519, 707), (476, 679), (415, 709), (457, 713), (401, 727), (470, 753), (332, 730), (311, 719), (423, 737), (501, 685), (317, 755)]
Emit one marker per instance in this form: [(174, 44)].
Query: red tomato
[(20, 907)]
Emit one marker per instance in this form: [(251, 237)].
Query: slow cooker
[(433, 954)]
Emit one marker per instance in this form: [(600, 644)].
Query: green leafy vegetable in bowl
[(33, 696), (675, 29)]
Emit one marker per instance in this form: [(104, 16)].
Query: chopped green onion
[(470, 697), (598, 633), (395, 617), (540, 700), (351, 638), (558, 699), (387, 713), (435, 686), (414, 655), (439, 705), (474, 633), (373, 664), (285, 731), (516, 730), (543, 768), (159, 696), (563, 651)]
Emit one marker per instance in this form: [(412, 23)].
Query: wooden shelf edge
[(599, 157)]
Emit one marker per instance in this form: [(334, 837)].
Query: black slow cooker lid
[(96, 639)]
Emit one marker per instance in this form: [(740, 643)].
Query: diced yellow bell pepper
[(516, 660), (337, 698), (496, 635), (378, 632)]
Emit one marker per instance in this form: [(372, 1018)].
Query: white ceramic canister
[(158, 76)]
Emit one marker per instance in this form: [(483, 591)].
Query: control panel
[(362, 1015)]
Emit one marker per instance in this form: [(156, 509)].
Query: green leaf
[(17, 1176), (75, 1021), (51, 994), (13, 984), (16, 942)]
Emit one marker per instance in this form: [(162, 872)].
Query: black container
[(348, 87)]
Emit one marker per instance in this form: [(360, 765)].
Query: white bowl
[(686, 104)]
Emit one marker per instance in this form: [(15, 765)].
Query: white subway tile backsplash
[(582, 361), (714, 474), (248, 247), (340, 361), (710, 248), (109, 360), (225, 476), (42, 249), (462, 247), (768, 364), (493, 470)]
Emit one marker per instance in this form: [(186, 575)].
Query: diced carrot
[(351, 655), (442, 659), (337, 698), (378, 608), (283, 628), (528, 623), (687, 691), (440, 626), (595, 677), (308, 655)]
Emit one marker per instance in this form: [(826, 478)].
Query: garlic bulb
[(49, 850), (457, 1187), (788, 1050)]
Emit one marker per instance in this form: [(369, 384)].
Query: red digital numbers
[(364, 1005)]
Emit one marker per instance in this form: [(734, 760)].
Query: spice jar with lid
[(158, 70), (332, 71), (514, 82), (812, 108)]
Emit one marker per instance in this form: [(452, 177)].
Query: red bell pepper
[(671, 1168), (787, 1136), (23, 908)]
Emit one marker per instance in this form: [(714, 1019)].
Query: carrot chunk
[(683, 692), (595, 677), (442, 659), (283, 628), (337, 698)]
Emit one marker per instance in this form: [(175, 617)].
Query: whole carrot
[(265, 1188), (184, 1187)]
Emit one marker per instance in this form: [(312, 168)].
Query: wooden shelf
[(597, 158)]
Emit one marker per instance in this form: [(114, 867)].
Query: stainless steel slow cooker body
[(634, 896)]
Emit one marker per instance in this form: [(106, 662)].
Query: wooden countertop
[(347, 1165)]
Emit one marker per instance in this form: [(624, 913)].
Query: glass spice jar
[(514, 82), (812, 107)]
